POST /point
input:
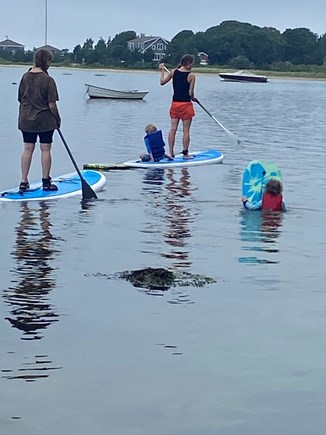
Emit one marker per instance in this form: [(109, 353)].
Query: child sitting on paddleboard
[(272, 198), (155, 145)]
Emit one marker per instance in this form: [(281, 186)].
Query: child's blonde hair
[(150, 128)]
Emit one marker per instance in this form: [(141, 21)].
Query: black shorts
[(45, 136)]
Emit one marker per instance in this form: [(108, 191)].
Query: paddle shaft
[(233, 139), (87, 191), (213, 117)]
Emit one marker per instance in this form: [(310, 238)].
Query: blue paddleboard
[(198, 158), (207, 157), (68, 185), (255, 177)]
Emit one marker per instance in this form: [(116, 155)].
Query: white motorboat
[(243, 76)]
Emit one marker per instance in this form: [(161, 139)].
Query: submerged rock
[(153, 279), (160, 278)]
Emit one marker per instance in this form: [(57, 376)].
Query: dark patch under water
[(159, 278)]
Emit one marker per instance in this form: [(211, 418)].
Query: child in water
[(272, 198), (155, 145)]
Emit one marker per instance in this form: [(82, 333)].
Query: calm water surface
[(81, 354)]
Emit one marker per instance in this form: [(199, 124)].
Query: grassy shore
[(314, 75), (318, 75)]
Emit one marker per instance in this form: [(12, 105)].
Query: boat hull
[(242, 77), (98, 92)]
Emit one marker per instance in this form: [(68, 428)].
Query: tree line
[(230, 44)]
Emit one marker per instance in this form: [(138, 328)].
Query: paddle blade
[(234, 141), (232, 138), (87, 191)]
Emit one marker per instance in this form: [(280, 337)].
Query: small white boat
[(243, 76), (98, 92)]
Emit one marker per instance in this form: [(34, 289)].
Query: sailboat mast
[(46, 23)]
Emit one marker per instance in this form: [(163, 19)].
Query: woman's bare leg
[(186, 134), (46, 159), (172, 133), (26, 160)]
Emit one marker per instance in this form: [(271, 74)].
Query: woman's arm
[(192, 82), (55, 112), (165, 79)]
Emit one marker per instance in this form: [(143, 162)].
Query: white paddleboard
[(198, 158)]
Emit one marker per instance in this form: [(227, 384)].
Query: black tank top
[(181, 86)]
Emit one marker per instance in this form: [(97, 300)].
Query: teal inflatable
[(255, 177)]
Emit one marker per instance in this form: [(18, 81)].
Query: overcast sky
[(71, 22)]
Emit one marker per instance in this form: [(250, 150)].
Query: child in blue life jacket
[(155, 145), (272, 198)]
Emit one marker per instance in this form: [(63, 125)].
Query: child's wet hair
[(274, 187)]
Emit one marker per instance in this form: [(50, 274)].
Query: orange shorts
[(182, 110)]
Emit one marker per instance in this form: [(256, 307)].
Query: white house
[(144, 44), (12, 46)]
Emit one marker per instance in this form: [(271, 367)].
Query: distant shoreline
[(198, 70)]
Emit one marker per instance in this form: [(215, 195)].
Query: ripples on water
[(174, 200), (246, 345), (32, 280), (34, 251)]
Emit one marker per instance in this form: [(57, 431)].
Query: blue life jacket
[(156, 144)]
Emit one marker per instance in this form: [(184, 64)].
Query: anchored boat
[(98, 92), (243, 76)]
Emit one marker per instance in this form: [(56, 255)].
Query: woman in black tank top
[(181, 108)]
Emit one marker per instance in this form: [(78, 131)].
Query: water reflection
[(33, 279), (34, 251), (178, 216), (171, 212), (171, 206), (153, 180), (260, 231)]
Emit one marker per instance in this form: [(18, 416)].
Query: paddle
[(104, 166), (87, 191), (233, 139)]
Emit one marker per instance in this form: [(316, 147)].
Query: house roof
[(10, 43), (154, 41), (49, 48), (141, 39)]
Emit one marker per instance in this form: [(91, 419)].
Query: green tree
[(100, 52), (123, 38), (87, 51), (183, 43), (78, 55), (119, 53), (322, 47), (240, 62), (301, 47)]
